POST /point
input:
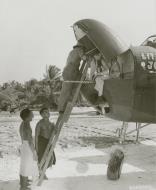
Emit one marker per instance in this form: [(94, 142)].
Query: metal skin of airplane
[(130, 90)]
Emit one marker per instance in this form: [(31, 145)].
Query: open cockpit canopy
[(150, 41), (94, 34)]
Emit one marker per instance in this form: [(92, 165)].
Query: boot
[(24, 183)]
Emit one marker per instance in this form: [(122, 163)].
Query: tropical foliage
[(34, 93)]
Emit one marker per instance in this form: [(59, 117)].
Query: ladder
[(63, 117)]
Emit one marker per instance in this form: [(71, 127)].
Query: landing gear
[(138, 125), (122, 132)]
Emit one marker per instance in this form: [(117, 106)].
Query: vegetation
[(33, 93)]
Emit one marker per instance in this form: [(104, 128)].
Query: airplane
[(130, 89)]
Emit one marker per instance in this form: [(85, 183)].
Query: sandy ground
[(82, 154)]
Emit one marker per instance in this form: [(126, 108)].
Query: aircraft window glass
[(151, 41), (79, 33), (115, 70)]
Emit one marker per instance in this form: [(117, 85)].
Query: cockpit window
[(151, 41), (79, 33)]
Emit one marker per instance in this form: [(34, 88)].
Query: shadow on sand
[(130, 181), (104, 142)]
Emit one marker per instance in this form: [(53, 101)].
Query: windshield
[(150, 41)]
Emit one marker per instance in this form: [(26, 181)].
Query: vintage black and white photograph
[(77, 95)]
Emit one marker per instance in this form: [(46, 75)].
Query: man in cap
[(71, 73)]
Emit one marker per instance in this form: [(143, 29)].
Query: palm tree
[(53, 77), (52, 73)]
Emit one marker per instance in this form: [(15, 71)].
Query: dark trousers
[(24, 183), (42, 144)]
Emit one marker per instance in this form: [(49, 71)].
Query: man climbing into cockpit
[(98, 73), (71, 73)]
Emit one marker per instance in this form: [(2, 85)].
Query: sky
[(36, 33)]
